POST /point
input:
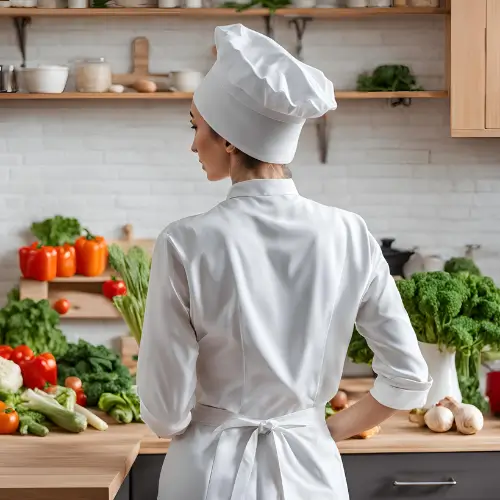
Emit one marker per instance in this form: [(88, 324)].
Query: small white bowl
[(45, 79)]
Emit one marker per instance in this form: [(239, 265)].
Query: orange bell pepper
[(91, 255), (66, 261), (38, 262)]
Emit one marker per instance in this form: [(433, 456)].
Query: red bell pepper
[(38, 262), (21, 354), (66, 261), (24, 253), (5, 351), (39, 371)]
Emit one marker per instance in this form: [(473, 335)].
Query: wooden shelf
[(424, 94), (326, 13), (340, 95), (107, 95)]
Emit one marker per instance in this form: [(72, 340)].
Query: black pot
[(394, 257)]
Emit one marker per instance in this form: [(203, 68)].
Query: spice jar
[(92, 75)]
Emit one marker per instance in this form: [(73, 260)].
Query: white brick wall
[(129, 162)]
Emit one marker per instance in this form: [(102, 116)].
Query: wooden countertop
[(93, 465), (398, 435)]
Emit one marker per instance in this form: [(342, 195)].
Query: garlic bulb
[(468, 418), (439, 419)]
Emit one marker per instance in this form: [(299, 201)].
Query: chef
[(251, 305)]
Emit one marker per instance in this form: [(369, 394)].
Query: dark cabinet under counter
[(433, 476), (387, 476)]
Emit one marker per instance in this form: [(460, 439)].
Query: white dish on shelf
[(45, 79)]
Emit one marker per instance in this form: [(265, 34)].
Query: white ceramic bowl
[(45, 79)]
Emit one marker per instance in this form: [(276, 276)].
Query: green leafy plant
[(99, 368), (388, 77), (134, 268), (460, 311), (32, 323), (272, 5), (57, 231), (461, 265)]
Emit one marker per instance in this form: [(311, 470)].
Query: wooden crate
[(84, 293), (128, 352)]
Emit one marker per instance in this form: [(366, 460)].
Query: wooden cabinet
[(433, 476), (475, 68)]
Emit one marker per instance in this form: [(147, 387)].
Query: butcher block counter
[(124, 463)]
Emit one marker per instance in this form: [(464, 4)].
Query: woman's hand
[(361, 416)]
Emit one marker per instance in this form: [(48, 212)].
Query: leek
[(134, 269)]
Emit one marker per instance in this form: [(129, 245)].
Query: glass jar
[(92, 75)]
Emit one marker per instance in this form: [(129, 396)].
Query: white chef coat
[(250, 311)]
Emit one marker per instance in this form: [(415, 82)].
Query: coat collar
[(263, 187)]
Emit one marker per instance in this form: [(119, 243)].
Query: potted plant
[(455, 317)]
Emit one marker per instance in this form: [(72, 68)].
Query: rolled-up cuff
[(388, 394), (161, 427)]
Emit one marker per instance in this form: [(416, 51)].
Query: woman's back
[(268, 273)]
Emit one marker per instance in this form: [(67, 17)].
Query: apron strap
[(224, 420)]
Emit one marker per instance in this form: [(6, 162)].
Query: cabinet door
[(493, 65), (423, 476), (468, 67), (144, 477)]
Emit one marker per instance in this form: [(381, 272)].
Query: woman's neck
[(264, 171)]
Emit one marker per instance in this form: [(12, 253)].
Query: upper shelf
[(324, 13), (341, 95)]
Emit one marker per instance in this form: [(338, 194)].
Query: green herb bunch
[(389, 78), (57, 231), (272, 5)]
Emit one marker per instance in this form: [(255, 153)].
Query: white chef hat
[(258, 96)]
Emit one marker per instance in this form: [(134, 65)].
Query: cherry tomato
[(73, 383), (51, 389), (9, 420), (62, 306), (113, 287), (81, 398), (21, 353), (5, 351)]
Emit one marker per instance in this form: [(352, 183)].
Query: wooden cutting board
[(140, 65)]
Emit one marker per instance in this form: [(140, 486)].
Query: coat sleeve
[(403, 380), (166, 372)]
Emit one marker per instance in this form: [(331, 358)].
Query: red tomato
[(81, 398), (73, 383), (5, 351), (62, 306), (51, 389), (21, 353), (113, 287), (9, 421)]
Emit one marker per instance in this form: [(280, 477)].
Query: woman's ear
[(229, 147)]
